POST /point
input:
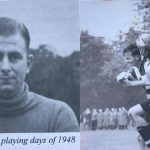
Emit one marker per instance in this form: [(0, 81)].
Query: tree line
[(55, 76)]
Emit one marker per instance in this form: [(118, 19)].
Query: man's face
[(13, 64), (130, 59)]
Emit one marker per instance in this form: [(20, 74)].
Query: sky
[(51, 22), (106, 17)]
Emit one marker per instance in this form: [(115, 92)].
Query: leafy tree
[(100, 64), (55, 76)]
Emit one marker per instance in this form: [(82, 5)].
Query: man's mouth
[(7, 80)]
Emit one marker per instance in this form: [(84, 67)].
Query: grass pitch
[(109, 140)]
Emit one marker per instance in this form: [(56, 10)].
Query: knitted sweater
[(30, 112)]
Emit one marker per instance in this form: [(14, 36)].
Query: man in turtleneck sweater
[(20, 109)]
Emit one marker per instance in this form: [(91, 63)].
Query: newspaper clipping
[(39, 74), (115, 77)]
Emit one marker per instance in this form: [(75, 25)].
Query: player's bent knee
[(132, 112), (135, 111)]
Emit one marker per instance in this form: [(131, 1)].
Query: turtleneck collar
[(17, 105)]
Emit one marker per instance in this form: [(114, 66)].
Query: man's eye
[(15, 57)]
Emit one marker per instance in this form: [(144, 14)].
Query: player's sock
[(144, 131)]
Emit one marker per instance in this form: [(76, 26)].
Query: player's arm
[(141, 82), (122, 76)]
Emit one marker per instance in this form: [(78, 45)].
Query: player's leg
[(143, 126), (135, 113), (142, 143)]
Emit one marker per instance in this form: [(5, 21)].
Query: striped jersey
[(147, 78)]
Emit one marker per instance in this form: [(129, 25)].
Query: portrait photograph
[(39, 66)]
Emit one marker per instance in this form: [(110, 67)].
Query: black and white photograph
[(115, 74), (39, 66)]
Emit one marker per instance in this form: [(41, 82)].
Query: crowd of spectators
[(108, 119)]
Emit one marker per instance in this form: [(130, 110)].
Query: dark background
[(101, 62), (100, 65), (55, 76)]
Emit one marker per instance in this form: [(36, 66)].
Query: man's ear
[(30, 61)]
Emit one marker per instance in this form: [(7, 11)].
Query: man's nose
[(5, 66)]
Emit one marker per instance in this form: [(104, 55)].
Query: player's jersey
[(147, 88), (147, 78), (134, 71), (141, 66)]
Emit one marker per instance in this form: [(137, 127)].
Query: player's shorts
[(146, 107)]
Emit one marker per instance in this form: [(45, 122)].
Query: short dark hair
[(10, 26), (133, 49)]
